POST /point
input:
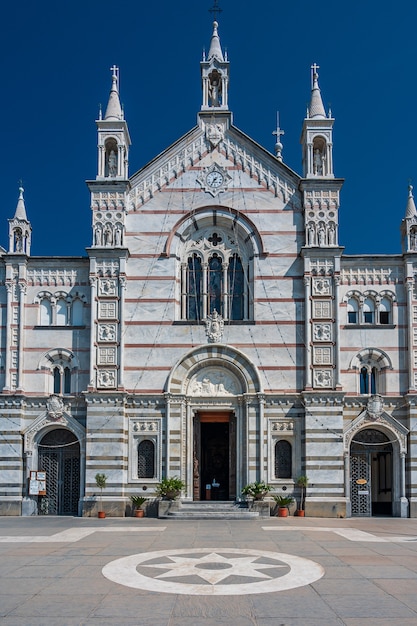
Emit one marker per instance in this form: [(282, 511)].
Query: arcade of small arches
[(61, 309), (370, 307)]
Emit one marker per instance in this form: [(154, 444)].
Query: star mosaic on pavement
[(213, 567)]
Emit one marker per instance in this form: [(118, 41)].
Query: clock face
[(214, 179)]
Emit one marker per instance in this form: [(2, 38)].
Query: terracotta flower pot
[(139, 512), (300, 513), (101, 514), (282, 511)]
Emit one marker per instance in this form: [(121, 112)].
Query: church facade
[(215, 331)]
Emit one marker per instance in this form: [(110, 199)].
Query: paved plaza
[(60, 571)]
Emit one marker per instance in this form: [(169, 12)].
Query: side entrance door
[(59, 457), (371, 474)]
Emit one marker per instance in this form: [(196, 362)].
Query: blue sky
[(55, 72)]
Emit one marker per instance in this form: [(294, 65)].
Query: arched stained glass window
[(146, 459), (194, 288), (367, 380), (215, 284), (283, 459), (57, 380), (67, 380), (236, 279)]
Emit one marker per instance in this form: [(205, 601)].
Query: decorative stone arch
[(58, 356), (231, 218), (42, 295), (371, 355), (210, 357)]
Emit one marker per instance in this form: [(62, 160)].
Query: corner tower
[(20, 230), (409, 224), (113, 137), (215, 76), (317, 135)]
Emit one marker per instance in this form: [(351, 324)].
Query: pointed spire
[(20, 213), (278, 146), (114, 110), (316, 108), (215, 51), (411, 207)]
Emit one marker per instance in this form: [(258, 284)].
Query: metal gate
[(371, 474), (361, 488), (59, 457)]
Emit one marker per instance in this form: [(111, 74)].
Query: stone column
[(93, 331), (21, 322), (9, 296), (307, 322), (122, 291)]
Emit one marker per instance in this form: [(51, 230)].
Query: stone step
[(211, 510), (198, 515)]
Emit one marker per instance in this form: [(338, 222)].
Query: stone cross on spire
[(314, 68), (215, 9), (278, 146)]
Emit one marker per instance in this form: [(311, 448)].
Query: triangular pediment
[(187, 165), (374, 416), (55, 416)]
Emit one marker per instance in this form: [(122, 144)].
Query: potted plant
[(170, 488), (283, 504), (101, 480), (257, 490), (137, 502), (302, 482)]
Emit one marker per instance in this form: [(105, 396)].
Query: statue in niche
[(112, 164), (322, 235), (318, 162), (118, 235), (413, 240), (332, 235), (214, 90), (311, 234), (98, 240), (108, 235), (18, 238)]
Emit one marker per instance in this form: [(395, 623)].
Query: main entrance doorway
[(59, 457), (214, 456), (371, 474)]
